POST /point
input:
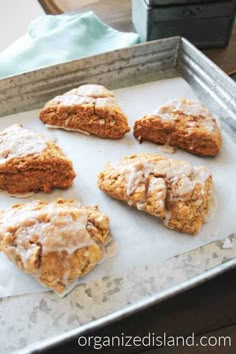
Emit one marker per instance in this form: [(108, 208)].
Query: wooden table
[(209, 309)]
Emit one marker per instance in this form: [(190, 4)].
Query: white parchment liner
[(142, 238)]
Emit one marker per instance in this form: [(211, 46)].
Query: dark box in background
[(206, 23)]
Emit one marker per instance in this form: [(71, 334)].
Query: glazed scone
[(88, 109), (55, 242), (182, 123), (172, 190), (30, 163)]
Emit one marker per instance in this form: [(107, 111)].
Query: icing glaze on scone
[(86, 94), (56, 242), (106, 102), (173, 190), (182, 177), (95, 91), (189, 108), (181, 123), (68, 100), (55, 220), (16, 141)]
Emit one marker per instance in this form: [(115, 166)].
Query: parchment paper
[(142, 239)]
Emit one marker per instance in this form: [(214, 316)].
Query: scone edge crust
[(91, 109)]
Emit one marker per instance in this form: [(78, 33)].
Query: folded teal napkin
[(56, 39)]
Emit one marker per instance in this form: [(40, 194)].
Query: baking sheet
[(142, 239)]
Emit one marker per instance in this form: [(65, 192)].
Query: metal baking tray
[(38, 321)]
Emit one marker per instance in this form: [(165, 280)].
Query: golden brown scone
[(172, 190), (182, 123), (55, 242), (88, 109), (29, 162)]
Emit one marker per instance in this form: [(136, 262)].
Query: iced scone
[(182, 123), (172, 190), (88, 109), (55, 242), (30, 163)]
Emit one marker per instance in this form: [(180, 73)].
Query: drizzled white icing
[(94, 91), (183, 183), (33, 230), (70, 100), (106, 102), (53, 227), (136, 175), (87, 94), (196, 109), (182, 175), (16, 141), (187, 107), (177, 178)]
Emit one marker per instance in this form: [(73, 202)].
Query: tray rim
[(130, 309), (160, 296), (28, 74)]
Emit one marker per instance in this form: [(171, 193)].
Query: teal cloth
[(56, 39)]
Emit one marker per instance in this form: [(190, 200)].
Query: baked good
[(29, 162), (88, 109), (55, 242), (182, 123), (172, 190)]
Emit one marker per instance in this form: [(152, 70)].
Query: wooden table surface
[(209, 309)]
